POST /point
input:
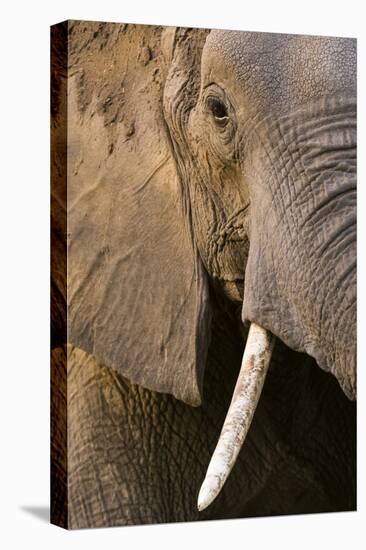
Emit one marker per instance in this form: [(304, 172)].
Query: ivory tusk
[(255, 363)]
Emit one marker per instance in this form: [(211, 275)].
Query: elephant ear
[(137, 291)]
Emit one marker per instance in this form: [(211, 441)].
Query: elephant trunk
[(300, 280)]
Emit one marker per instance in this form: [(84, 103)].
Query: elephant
[(203, 207)]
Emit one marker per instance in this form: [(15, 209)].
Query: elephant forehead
[(280, 67)]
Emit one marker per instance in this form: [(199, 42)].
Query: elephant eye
[(218, 109)]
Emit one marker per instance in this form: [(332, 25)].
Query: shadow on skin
[(40, 512)]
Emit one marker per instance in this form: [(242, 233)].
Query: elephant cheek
[(231, 269)]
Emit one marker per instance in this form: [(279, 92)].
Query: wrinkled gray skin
[(278, 164), (261, 129)]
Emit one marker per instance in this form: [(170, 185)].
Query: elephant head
[(267, 159), (241, 180)]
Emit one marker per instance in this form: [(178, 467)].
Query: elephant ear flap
[(137, 290)]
